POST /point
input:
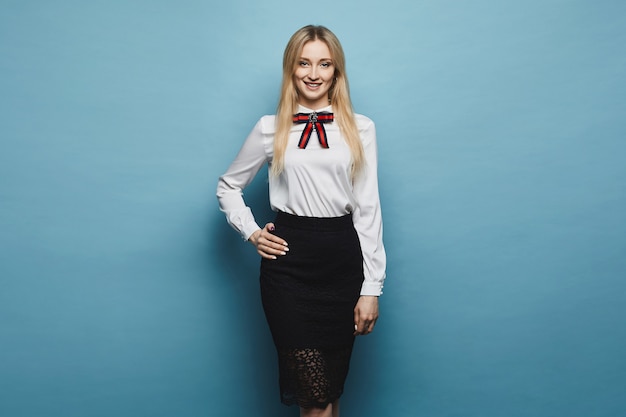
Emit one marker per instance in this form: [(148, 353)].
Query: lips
[(313, 93)]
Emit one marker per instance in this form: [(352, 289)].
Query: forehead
[(316, 49)]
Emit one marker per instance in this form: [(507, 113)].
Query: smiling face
[(314, 75)]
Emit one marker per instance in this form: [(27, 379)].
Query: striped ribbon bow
[(314, 121)]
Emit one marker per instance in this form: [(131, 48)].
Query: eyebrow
[(307, 59)]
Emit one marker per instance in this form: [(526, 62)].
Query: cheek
[(299, 74), (296, 84), (295, 79)]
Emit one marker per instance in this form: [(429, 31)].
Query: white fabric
[(315, 182)]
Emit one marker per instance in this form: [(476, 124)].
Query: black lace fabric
[(313, 378)]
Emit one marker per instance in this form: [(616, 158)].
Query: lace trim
[(313, 378)]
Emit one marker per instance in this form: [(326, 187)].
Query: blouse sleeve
[(367, 216), (241, 172)]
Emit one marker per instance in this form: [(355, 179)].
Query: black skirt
[(309, 297)]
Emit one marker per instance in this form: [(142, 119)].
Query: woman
[(323, 260)]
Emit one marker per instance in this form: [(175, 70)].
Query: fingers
[(365, 315), (364, 327), (268, 245), (363, 323)]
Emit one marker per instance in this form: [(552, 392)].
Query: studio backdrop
[(502, 141)]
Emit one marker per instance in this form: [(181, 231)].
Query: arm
[(247, 163), (367, 220), (239, 174), (367, 217)]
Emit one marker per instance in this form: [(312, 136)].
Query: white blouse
[(315, 182)]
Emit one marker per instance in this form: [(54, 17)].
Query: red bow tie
[(313, 122)]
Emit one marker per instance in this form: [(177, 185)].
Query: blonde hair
[(339, 96)]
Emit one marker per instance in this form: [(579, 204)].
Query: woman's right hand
[(267, 244)]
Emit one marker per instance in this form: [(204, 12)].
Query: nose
[(313, 72)]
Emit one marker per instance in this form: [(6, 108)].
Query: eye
[(326, 64), (303, 63)]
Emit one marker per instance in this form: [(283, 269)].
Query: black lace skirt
[(309, 297)]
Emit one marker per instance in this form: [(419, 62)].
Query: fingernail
[(272, 228), (286, 249), (283, 253)]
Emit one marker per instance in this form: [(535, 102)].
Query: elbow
[(223, 188)]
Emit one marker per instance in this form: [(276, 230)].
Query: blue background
[(502, 140)]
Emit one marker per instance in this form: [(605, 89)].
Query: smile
[(313, 86)]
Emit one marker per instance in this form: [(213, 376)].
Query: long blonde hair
[(339, 96)]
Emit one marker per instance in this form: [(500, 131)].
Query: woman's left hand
[(365, 315)]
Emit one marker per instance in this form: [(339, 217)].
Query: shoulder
[(363, 123), (367, 129), (267, 124), (262, 136)]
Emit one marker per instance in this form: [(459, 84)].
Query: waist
[(314, 223)]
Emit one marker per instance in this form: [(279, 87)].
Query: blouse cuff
[(372, 288), (248, 230)]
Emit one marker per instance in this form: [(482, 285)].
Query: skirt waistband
[(314, 223)]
